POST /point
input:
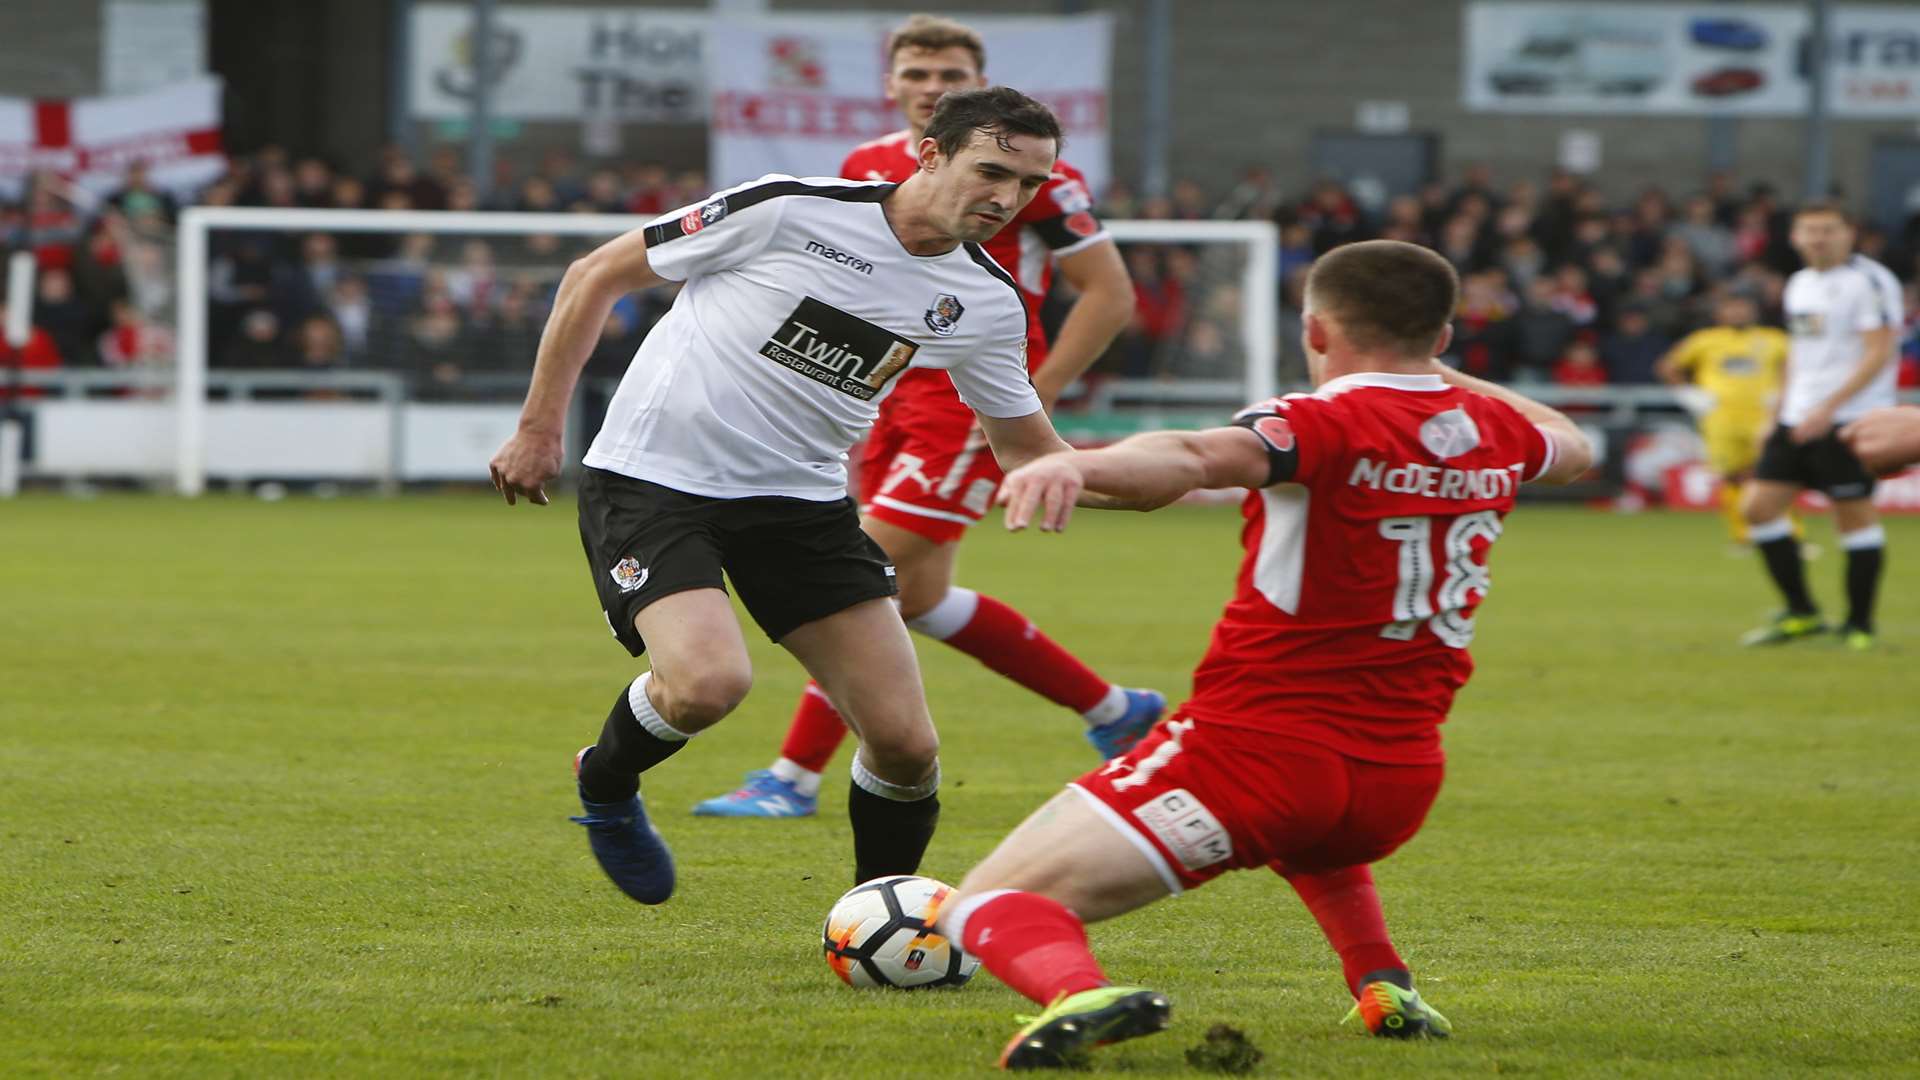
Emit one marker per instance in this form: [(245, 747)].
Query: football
[(881, 934)]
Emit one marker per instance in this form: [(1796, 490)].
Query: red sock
[(1005, 641), (1347, 907), (1033, 944), (816, 731)]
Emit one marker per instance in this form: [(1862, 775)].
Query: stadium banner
[(1875, 58), (91, 141), (795, 95), (1680, 59), (640, 65)]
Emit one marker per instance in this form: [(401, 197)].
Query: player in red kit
[(925, 475), (1311, 742)]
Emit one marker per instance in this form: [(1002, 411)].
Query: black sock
[(1863, 582), (1399, 977), (889, 837), (611, 773), (1782, 557)]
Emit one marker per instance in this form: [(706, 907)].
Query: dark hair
[(1386, 294), (999, 111), (1823, 206), (933, 33)]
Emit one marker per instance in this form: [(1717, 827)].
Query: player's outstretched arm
[(1144, 472), (585, 299), (1885, 439), (1572, 450)]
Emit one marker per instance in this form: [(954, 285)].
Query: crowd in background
[(1559, 283)]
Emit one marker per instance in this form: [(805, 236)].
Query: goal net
[(392, 347)]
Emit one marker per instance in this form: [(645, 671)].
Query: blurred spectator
[(1332, 216), (258, 345), (1189, 201), (1255, 197), (1480, 337), (299, 291), (436, 346), (52, 229), (319, 344), (131, 340), (1540, 332), (1580, 366), (138, 198), (1635, 346), (313, 183), (59, 310), (472, 286), (395, 283), (398, 177), (353, 316), (1711, 243), (1572, 298), (509, 339)]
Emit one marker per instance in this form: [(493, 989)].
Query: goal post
[(1228, 271)]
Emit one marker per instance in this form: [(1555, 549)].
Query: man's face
[(1822, 239), (979, 190), (1737, 311), (920, 76)]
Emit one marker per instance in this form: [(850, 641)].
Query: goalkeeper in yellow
[(1735, 368)]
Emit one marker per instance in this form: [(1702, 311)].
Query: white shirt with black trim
[(1827, 312), (800, 308)]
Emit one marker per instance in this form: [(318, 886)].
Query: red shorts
[(927, 468), (1200, 799)]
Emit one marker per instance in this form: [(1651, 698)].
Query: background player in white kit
[(1842, 313), (724, 452)]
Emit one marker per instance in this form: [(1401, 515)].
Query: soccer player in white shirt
[(724, 451), (1842, 314)]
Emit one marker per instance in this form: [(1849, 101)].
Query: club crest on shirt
[(1806, 323), (944, 316), (700, 218), (629, 574), (1449, 434), (1275, 432)]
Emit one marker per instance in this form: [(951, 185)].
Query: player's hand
[(1048, 486), (1816, 425), (524, 466), (1885, 440)]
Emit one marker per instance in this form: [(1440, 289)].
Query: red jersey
[(1366, 559), (1058, 222)]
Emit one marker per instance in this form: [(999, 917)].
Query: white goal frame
[(1259, 315)]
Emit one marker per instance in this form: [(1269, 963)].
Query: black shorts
[(1825, 464), (792, 560)]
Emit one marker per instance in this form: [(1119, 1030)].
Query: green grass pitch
[(283, 791)]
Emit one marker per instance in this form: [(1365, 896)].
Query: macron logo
[(845, 258)]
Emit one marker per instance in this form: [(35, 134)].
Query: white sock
[(650, 717), (897, 792), (803, 779), (1111, 708), (1872, 536), (1766, 532), (948, 617), (952, 922)]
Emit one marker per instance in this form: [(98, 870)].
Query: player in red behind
[(1311, 743), (925, 475)]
